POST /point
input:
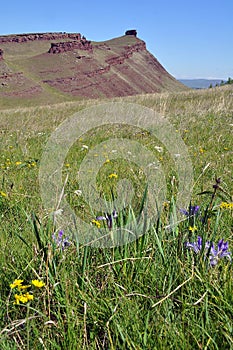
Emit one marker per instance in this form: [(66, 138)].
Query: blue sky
[(192, 39)]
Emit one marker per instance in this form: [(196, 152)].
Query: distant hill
[(200, 83), (52, 67)]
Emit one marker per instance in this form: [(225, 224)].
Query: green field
[(151, 293)]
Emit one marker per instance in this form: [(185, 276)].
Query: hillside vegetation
[(170, 288)]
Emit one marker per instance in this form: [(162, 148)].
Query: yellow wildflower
[(23, 298), (28, 296), (38, 283), (16, 283), (3, 194), (24, 287), (111, 176), (18, 163), (96, 222), (192, 228), (225, 205)]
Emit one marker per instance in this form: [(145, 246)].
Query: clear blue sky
[(192, 39)]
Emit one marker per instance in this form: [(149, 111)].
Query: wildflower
[(113, 176), (60, 241), (78, 192), (196, 246), (209, 250), (192, 228), (18, 163), (28, 296), (159, 149), (96, 223), (225, 205), (220, 252), (109, 218), (192, 211), (84, 147), (3, 194), (38, 283), (16, 283), (23, 298), (24, 287)]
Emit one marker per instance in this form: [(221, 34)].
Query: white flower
[(159, 149), (78, 192)]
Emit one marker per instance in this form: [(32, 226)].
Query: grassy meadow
[(168, 289)]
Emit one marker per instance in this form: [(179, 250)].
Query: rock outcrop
[(129, 50), (1, 54), (81, 44), (131, 32), (19, 38)]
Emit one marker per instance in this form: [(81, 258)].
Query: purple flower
[(60, 240), (192, 211), (109, 218), (196, 246), (220, 252), (210, 252)]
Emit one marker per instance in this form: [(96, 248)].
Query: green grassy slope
[(153, 293)]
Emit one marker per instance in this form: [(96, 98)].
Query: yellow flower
[(28, 296), (111, 176), (96, 222), (201, 150), (225, 205), (3, 194), (38, 283), (16, 283), (23, 298), (192, 228), (18, 163), (107, 161), (24, 287)]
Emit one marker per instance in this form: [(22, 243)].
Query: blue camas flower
[(210, 252)]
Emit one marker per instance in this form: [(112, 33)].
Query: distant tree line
[(228, 82)]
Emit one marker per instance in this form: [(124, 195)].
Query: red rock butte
[(76, 67)]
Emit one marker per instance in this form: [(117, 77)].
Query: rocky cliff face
[(74, 66), (19, 38), (81, 44)]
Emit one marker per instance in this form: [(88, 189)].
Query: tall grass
[(152, 293)]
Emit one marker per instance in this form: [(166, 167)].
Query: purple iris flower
[(196, 246), (213, 254), (109, 218), (220, 252), (192, 211), (60, 240)]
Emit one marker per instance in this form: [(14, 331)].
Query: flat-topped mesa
[(1, 54), (60, 47), (19, 38)]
